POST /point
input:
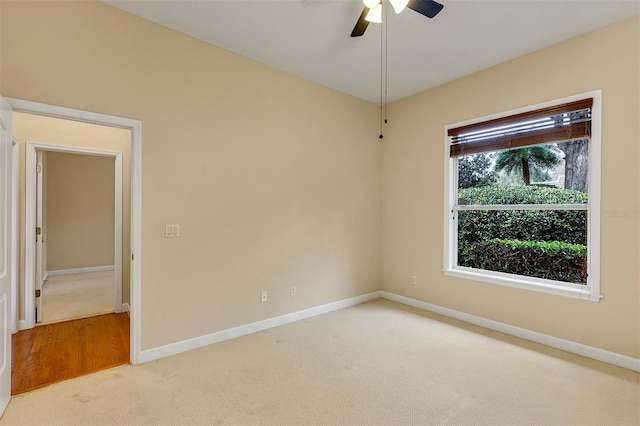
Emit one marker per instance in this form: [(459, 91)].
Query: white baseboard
[(125, 308), (545, 339), (45, 278), (232, 333), (80, 270)]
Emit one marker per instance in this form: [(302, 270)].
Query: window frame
[(590, 291)]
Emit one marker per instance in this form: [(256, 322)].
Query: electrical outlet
[(292, 290), (263, 297), (414, 280)]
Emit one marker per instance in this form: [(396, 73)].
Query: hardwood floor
[(52, 353)]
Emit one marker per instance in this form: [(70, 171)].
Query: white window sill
[(573, 291)]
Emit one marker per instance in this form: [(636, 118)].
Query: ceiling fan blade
[(361, 25), (428, 8)]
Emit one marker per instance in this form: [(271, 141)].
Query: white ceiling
[(310, 38)]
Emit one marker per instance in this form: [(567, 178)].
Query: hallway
[(52, 353)]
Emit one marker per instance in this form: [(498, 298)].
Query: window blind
[(558, 123)]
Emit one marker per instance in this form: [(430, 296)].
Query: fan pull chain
[(382, 67)]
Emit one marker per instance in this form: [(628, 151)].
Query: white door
[(39, 235), (5, 253)]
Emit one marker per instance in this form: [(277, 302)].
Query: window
[(522, 204)]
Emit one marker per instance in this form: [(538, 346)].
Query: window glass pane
[(555, 173), (547, 244)]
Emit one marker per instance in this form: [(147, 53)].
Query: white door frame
[(5, 252), (15, 255), (30, 263), (136, 196), (39, 197)]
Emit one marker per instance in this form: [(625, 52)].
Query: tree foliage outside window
[(538, 160), (474, 170)]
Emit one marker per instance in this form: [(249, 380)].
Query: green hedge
[(552, 260), (566, 225), (520, 194)]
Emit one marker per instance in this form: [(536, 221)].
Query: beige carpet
[(77, 295), (378, 363)]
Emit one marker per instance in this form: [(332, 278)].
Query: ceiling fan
[(373, 11)]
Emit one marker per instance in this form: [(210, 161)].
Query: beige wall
[(54, 131), (81, 211), (274, 180), (413, 174)]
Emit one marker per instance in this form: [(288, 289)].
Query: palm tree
[(536, 158)]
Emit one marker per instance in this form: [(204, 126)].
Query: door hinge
[(37, 293), (38, 168), (38, 230)]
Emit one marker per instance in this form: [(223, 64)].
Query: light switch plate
[(172, 230)]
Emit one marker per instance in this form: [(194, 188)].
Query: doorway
[(74, 209), (73, 241), (13, 294), (78, 197), (24, 313)]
